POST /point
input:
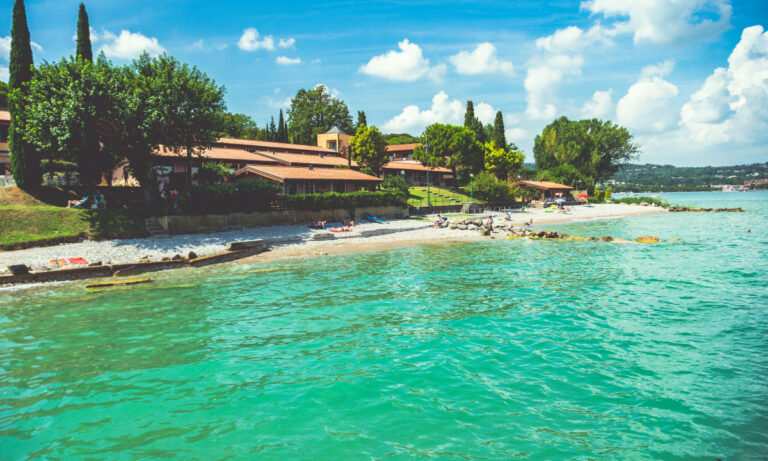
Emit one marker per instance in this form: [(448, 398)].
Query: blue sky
[(689, 78)]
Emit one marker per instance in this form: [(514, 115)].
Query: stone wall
[(202, 223)]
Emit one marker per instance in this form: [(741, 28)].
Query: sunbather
[(77, 203), (318, 225), (438, 222)]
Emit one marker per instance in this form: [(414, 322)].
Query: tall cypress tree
[(361, 120), (499, 138), (282, 131), (83, 35), (469, 115), (25, 162)]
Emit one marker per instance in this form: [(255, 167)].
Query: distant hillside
[(655, 178)]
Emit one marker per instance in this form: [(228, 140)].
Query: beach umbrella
[(582, 195)]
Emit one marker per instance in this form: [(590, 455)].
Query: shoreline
[(300, 241)]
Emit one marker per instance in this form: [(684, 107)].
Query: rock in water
[(647, 239), (192, 255)]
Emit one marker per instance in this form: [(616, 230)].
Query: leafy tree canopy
[(368, 148), (401, 138), (502, 162), (239, 126), (594, 148), (453, 146), (315, 111), (361, 120), (4, 90)]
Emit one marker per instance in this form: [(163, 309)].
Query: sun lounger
[(78, 204), (374, 219)]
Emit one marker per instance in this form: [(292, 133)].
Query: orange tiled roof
[(282, 173), (5, 116), (304, 159), (399, 147), (412, 165), (214, 153), (266, 145), (544, 185)]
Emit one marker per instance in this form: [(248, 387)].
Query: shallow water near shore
[(484, 350)]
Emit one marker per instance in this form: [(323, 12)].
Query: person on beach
[(349, 223), (319, 225), (489, 222), (174, 198), (438, 221), (529, 223)]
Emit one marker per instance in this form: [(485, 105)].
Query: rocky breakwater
[(510, 231), (680, 209)]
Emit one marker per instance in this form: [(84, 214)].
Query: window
[(3, 133), (332, 145)]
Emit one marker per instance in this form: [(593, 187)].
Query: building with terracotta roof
[(309, 179), (548, 189), (5, 156), (415, 174), (334, 139), (401, 151)]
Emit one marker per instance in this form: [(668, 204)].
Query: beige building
[(334, 139)]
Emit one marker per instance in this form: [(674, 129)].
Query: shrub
[(245, 196), (349, 201), (489, 188), (650, 200), (213, 173), (396, 183)]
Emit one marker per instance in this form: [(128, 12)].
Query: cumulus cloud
[(286, 61), (542, 83), (732, 104), (660, 21), (286, 43), (485, 113), (573, 39), (600, 106), (482, 60), (279, 103), (647, 105), (406, 65), (249, 41), (4, 74), (128, 45), (516, 135), (414, 120)]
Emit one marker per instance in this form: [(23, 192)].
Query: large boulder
[(647, 239), (18, 269), (607, 238)]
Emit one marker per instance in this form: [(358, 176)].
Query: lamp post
[(426, 151), (471, 188)]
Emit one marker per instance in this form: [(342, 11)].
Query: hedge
[(336, 200), (245, 196)]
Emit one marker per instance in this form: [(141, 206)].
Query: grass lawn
[(438, 196), (24, 218)]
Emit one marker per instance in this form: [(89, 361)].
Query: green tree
[(4, 90), (369, 149), (395, 182), (83, 35), (190, 104), (401, 138), (271, 130), (474, 124), (499, 137), (65, 102), (361, 120), (316, 111), (239, 126), (502, 162), (213, 173), (594, 148), (25, 162), (282, 130), (453, 146)]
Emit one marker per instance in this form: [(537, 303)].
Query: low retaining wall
[(202, 223)]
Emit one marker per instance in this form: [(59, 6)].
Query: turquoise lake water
[(489, 350)]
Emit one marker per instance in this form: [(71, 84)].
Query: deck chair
[(79, 204)]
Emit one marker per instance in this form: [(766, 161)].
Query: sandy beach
[(306, 241)]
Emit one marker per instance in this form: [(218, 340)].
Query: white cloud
[(485, 113), (128, 45), (249, 41), (482, 60), (647, 105), (573, 39), (289, 43), (732, 104), (406, 65), (5, 47), (664, 21), (600, 106), (286, 61), (516, 135), (543, 80), (413, 120), (4, 74), (198, 45), (279, 103)]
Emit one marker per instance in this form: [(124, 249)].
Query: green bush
[(349, 201), (245, 196), (490, 189), (649, 200), (213, 173), (395, 182)]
